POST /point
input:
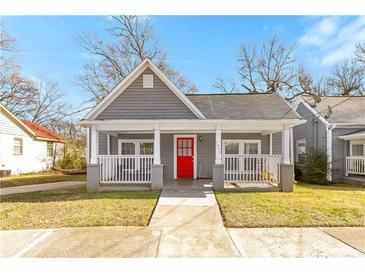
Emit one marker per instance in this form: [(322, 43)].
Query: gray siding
[(340, 149), (276, 143), (314, 131), (205, 148), (137, 102)]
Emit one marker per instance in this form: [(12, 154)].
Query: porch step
[(359, 180)]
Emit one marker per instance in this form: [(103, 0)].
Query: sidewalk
[(41, 187), (188, 242)]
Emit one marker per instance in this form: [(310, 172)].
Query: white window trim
[(148, 80), (136, 142), (357, 142), (302, 140), (194, 136), (241, 144)]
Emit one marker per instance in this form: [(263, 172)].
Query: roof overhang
[(119, 89), (354, 136), (193, 125)]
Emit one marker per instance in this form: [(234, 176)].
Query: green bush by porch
[(308, 205), (76, 208)]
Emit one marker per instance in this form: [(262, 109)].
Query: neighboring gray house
[(147, 132), (336, 125)]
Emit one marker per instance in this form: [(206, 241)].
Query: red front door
[(185, 157)]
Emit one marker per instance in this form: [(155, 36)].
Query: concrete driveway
[(193, 242)]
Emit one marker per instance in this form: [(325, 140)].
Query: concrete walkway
[(188, 242), (42, 187)]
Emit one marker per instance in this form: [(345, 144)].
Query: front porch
[(160, 158)]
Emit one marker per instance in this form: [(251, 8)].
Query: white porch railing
[(129, 169), (251, 167), (355, 165)]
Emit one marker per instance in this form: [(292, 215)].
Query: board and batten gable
[(313, 130), (137, 102)]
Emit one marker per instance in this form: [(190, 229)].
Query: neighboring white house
[(24, 145)]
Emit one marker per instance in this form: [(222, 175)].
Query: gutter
[(329, 129)]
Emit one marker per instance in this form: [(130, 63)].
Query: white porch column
[(218, 146), (108, 144), (156, 147), (94, 146), (87, 146), (285, 146), (270, 143)]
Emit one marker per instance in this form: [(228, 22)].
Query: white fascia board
[(355, 136), (124, 84), (299, 100), (18, 122), (193, 125)]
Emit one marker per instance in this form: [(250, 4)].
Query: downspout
[(329, 129)]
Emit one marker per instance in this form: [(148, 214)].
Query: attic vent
[(147, 81)]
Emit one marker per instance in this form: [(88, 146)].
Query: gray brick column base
[(157, 177), (286, 177), (93, 177), (218, 177)]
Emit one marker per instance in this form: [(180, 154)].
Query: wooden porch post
[(94, 146), (156, 147), (218, 146), (285, 146)]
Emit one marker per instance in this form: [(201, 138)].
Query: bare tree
[(47, 104), (132, 40), (225, 85), (16, 91), (267, 69), (348, 78), (360, 53)]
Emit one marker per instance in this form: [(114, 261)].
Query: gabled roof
[(345, 109), (243, 106), (32, 129), (43, 133), (118, 89)]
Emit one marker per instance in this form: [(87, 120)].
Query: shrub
[(316, 168)]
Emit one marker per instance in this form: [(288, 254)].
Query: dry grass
[(308, 205), (75, 208), (39, 178)]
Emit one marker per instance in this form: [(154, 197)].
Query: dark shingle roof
[(345, 109), (243, 106)]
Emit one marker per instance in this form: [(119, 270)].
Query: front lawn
[(39, 178), (76, 207), (308, 205)]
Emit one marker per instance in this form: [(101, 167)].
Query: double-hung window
[(18, 146), (301, 150), (231, 148), (134, 147), (357, 148)]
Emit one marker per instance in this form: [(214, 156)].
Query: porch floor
[(189, 184)]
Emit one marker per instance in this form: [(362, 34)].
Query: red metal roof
[(42, 132)]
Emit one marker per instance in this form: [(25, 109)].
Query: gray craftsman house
[(147, 133), (336, 125)]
